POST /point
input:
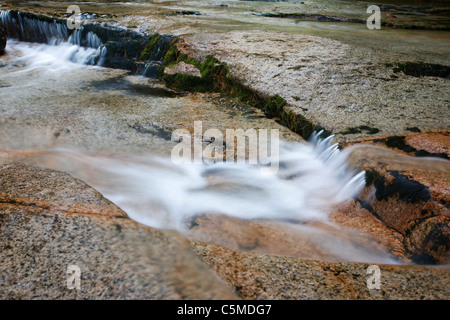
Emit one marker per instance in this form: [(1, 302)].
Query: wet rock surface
[(354, 92), (2, 39), (409, 195), (108, 110), (307, 240), (260, 276), (120, 259), (121, 48), (317, 79), (43, 234)]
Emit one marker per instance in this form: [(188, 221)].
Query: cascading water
[(312, 178), (154, 191), (57, 41)]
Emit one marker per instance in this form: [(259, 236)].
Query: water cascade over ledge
[(312, 177), (91, 44)]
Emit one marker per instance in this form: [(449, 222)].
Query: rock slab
[(41, 237), (2, 39), (261, 276)]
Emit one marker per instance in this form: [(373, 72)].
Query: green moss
[(299, 124), (150, 47), (215, 77), (354, 130), (185, 82), (171, 55)]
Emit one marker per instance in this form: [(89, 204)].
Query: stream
[(62, 109)]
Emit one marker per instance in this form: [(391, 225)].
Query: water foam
[(154, 191), (52, 58)]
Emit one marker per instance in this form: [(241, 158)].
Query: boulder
[(51, 223)]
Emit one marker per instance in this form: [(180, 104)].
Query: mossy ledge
[(215, 77), (125, 49)]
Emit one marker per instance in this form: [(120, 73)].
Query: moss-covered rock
[(275, 105)]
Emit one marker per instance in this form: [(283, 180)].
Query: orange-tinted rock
[(431, 239), (262, 276), (353, 215), (52, 190)]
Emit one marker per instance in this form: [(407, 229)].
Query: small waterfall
[(85, 39), (113, 47), (78, 46), (312, 177)]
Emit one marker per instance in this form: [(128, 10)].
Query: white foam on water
[(56, 50), (156, 192), (312, 178)]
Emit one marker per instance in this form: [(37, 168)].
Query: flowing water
[(93, 123), (61, 109)]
